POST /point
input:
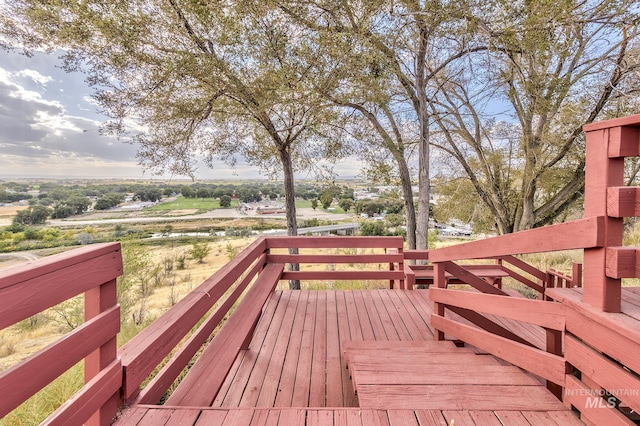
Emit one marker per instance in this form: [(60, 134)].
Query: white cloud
[(34, 75)]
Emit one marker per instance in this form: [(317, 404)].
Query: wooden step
[(440, 376), (458, 397)]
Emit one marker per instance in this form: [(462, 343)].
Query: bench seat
[(424, 274)]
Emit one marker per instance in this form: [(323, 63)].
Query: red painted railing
[(589, 342), (29, 289), (590, 345)]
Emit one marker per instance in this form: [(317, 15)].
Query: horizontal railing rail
[(147, 350), (151, 348), (392, 256), (27, 290), (577, 234)]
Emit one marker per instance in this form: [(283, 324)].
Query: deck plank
[(317, 385), (402, 418), (431, 418), (487, 418), (349, 399), (269, 390), (375, 418), (246, 389), (183, 417), (372, 374), (302, 382), (363, 316), (512, 418), (389, 305), (385, 318), (379, 331), (231, 392), (299, 353), (320, 418), (334, 389), (407, 315), (458, 418), (355, 328), (457, 397), (212, 418), (291, 363)]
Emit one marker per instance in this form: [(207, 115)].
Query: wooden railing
[(34, 287), (151, 347), (588, 343), (159, 353)]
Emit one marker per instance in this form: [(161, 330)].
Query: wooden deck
[(157, 416), (295, 370)]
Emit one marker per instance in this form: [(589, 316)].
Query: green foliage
[(314, 203), (108, 201), (326, 198), (373, 228), (232, 251), (238, 232), (36, 409), (187, 192), (346, 204), (148, 194), (69, 314), (225, 201), (203, 193), (182, 203), (199, 251), (34, 215)]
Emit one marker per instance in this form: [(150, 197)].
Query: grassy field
[(306, 204), (182, 203)]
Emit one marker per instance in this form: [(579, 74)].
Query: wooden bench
[(424, 274), (205, 378)]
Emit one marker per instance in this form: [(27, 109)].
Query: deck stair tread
[(440, 376)]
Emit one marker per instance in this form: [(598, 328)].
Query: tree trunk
[(410, 210), (290, 206), (422, 232)]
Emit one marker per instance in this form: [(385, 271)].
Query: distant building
[(271, 209)]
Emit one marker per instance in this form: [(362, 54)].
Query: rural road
[(213, 214)]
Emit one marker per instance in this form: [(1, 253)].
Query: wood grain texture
[(144, 352), (28, 377), (609, 375), (544, 314), (575, 235), (205, 378), (24, 294), (551, 367)]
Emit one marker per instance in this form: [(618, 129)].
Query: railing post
[(96, 301), (604, 169), (439, 281), (554, 346), (576, 275)]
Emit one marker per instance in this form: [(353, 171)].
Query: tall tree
[(513, 117), (201, 80), (410, 41)]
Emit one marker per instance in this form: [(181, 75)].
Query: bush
[(225, 201), (376, 228), (199, 251), (84, 238)]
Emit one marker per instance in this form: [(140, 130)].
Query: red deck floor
[(296, 359)]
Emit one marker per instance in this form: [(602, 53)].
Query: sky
[(49, 129)]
